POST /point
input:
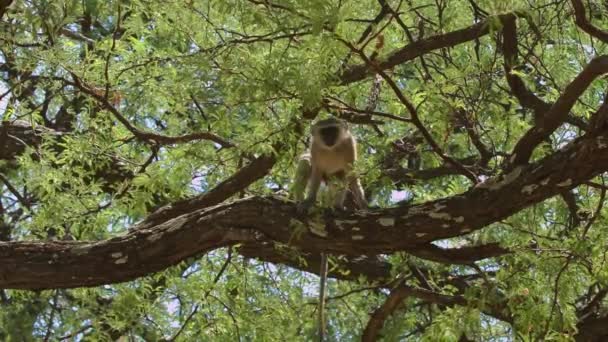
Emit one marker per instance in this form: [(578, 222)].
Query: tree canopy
[(147, 150)]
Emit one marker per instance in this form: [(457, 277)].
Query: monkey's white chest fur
[(330, 161)]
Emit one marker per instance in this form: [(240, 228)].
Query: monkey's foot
[(339, 208), (304, 206)]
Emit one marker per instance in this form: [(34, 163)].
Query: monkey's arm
[(301, 177)]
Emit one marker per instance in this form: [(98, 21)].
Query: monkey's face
[(329, 132), (330, 135)]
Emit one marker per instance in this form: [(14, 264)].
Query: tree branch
[(16, 136), (4, 6), (592, 329), (580, 18), (558, 111), (463, 255), (377, 319), (372, 268), (255, 170), (469, 125), (408, 176), (411, 51), (413, 115), (150, 248), (526, 98), (103, 100)]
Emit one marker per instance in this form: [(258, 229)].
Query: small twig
[(196, 307), (348, 293), (14, 191), (77, 332), (372, 113), (49, 328), (555, 293), (186, 321), (597, 212)]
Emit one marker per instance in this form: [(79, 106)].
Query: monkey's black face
[(329, 135)]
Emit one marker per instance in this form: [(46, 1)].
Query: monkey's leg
[(338, 191), (301, 178), (313, 188), (358, 194), (322, 296), (339, 199)]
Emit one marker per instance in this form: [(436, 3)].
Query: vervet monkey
[(333, 152)]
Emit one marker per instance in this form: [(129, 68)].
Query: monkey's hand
[(305, 205), (339, 208)]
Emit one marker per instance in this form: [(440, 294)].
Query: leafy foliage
[(128, 106)]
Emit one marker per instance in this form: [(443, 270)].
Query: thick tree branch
[(255, 170), (592, 329), (151, 248), (4, 6)]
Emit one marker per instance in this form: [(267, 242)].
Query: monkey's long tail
[(322, 295)]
